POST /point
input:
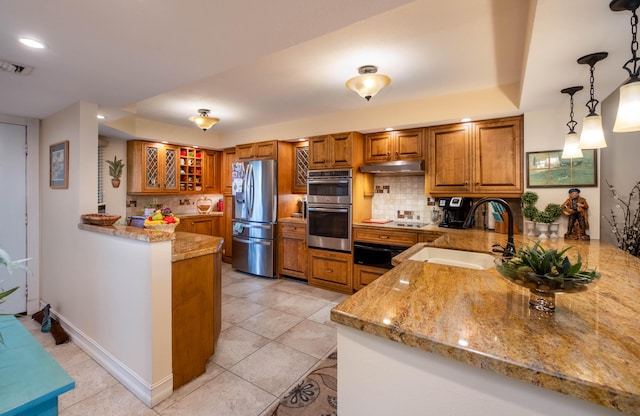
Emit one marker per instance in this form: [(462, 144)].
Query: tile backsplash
[(179, 204), (401, 198)]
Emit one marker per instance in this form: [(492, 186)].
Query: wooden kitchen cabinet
[(384, 236), (476, 159), (364, 275), (335, 150), (228, 158), (394, 145), (204, 224), (330, 270), (292, 250), (152, 168), (267, 150), (211, 178)]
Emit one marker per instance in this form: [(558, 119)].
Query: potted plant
[(554, 211), (115, 171), (529, 211), (543, 219)]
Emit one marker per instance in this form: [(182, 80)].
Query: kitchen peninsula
[(157, 317), (436, 339)]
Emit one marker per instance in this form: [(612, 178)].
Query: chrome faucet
[(510, 249)]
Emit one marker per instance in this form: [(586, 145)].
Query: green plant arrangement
[(115, 167), (529, 209), (546, 270), (554, 210)]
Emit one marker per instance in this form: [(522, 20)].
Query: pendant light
[(628, 118), (571, 140), (369, 82), (592, 136), (203, 120)]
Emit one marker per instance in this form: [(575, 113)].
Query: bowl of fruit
[(162, 220)]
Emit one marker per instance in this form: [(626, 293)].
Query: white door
[(13, 213)]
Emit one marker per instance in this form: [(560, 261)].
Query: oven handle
[(325, 181), (328, 209)]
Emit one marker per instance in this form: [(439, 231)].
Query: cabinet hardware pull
[(383, 236), (328, 270)]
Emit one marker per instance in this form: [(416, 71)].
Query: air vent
[(7, 66)]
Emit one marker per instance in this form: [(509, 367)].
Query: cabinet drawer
[(393, 237), (364, 275), (331, 270), (296, 229)]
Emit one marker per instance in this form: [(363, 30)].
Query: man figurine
[(576, 208)]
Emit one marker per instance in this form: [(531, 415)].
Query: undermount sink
[(457, 258)]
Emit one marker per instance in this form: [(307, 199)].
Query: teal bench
[(30, 379)]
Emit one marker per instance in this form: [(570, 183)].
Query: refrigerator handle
[(244, 240), (250, 190)]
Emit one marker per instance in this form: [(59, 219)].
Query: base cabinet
[(207, 225), (331, 270), (292, 250), (364, 275)]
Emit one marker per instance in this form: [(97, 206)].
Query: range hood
[(396, 167)]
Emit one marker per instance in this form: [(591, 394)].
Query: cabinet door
[(227, 232), (330, 270), (292, 251), (206, 226), (449, 166), (160, 168), (364, 275), (266, 150), (408, 144), (211, 171), (377, 147), (319, 152), (498, 156), (245, 151), (341, 151), (228, 158)]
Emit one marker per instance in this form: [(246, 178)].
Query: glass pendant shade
[(628, 118), (571, 147), (203, 120), (592, 136), (368, 83)]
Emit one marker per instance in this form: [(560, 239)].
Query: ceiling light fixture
[(571, 140), (628, 118), (203, 120), (592, 136), (369, 82), (32, 43)]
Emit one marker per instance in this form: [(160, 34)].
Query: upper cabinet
[(334, 150), (257, 151), (211, 179), (478, 158), (394, 145), (152, 168), (301, 167)]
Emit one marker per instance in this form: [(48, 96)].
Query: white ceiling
[(257, 63)]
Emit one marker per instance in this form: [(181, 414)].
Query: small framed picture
[(59, 165), (548, 169)]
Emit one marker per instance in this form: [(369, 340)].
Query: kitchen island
[(436, 339), (160, 293)]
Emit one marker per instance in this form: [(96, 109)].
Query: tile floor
[(273, 333)]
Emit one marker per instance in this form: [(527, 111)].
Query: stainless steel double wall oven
[(329, 196)]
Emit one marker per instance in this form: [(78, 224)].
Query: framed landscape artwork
[(548, 169), (59, 165)]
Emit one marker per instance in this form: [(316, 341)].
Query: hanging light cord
[(572, 123), (592, 103), (635, 72)]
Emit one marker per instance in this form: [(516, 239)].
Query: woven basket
[(169, 228), (99, 219)]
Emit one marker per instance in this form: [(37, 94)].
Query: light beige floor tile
[(292, 286), (324, 294), (227, 298), (323, 316), (268, 296), (67, 355), (226, 395), (90, 379), (311, 338), (225, 325), (246, 286), (113, 401), (274, 367), (239, 309), (212, 371), (235, 344), (270, 323), (299, 305)]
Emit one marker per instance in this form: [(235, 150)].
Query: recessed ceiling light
[(466, 120), (101, 116), (164, 142), (195, 147), (32, 43), (389, 129)]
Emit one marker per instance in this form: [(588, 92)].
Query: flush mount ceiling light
[(369, 82), (628, 118), (571, 140), (592, 136), (32, 43), (203, 120)]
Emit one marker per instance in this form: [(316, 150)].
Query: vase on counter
[(543, 227), (531, 228), (553, 229)]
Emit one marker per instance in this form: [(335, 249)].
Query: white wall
[(545, 130), (115, 199)]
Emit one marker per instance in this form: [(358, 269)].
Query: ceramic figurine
[(575, 207)]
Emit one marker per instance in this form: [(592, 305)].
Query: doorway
[(13, 213)]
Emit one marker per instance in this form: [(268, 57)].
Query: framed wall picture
[(548, 169), (59, 165)]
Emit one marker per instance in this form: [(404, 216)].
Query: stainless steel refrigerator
[(255, 188)]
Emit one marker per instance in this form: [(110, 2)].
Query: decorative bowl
[(99, 219)]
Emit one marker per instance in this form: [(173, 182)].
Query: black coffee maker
[(455, 211)]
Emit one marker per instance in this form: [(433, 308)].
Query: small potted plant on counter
[(529, 211), (115, 171), (554, 211)]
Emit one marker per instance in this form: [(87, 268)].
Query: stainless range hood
[(396, 167)]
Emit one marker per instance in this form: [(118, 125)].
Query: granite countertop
[(196, 215), (183, 245), (589, 348)]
